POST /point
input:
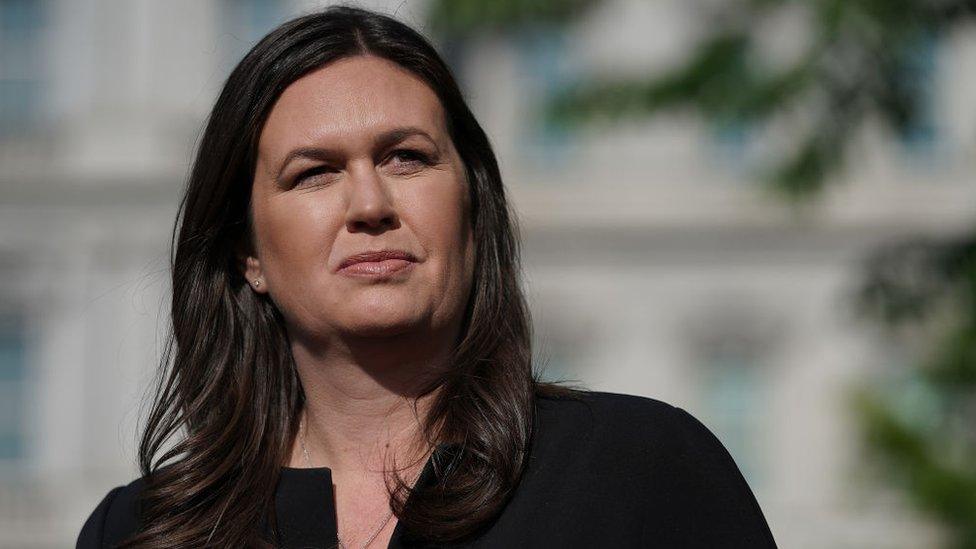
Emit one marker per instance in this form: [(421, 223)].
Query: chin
[(375, 330), (382, 324)]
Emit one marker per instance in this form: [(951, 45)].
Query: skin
[(362, 346)]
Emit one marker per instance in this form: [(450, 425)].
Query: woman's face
[(355, 157)]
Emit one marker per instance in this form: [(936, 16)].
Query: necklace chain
[(342, 544)]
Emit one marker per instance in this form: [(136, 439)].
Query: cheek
[(447, 230), (438, 217), (294, 236)]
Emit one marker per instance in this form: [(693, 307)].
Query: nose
[(370, 208)]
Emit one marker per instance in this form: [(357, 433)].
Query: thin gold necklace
[(342, 544)]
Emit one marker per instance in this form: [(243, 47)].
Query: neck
[(360, 396)]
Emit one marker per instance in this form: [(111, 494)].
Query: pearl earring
[(257, 283)]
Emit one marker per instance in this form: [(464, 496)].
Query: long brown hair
[(228, 390)]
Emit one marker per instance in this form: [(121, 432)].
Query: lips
[(377, 256)]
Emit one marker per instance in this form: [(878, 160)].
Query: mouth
[(377, 264)]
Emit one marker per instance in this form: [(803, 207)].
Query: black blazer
[(609, 470)]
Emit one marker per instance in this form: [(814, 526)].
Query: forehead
[(351, 98)]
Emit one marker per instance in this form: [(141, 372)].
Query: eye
[(410, 158), (309, 174)]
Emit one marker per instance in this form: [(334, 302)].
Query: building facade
[(653, 263)]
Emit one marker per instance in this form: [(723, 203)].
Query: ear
[(250, 267), (254, 275)]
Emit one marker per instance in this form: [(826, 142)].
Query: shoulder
[(622, 429), (114, 518), (623, 420), (659, 453)]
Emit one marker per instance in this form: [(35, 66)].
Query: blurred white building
[(654, 264)]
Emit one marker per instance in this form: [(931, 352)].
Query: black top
[(608, 470)]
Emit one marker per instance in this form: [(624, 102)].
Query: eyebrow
[(382, 141)]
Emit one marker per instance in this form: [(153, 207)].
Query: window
[(732, 377), (555, 359), (244, 22), (561, 340), (13, 391), (733, 147), (21, 64), (732, 398), (545, 69), (917, 75)]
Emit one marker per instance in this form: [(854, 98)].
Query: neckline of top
[(440, 448)]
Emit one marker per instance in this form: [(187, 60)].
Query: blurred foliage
[(466, 17), (857, 65), (924, 424)]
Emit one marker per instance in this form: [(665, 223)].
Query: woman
[(352, 346)]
